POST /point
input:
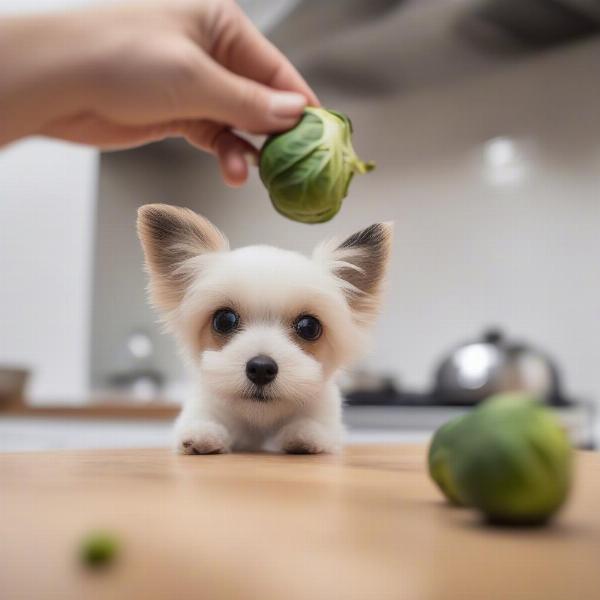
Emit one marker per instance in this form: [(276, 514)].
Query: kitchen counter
[(121, 425), (41, 433), (367, 524)]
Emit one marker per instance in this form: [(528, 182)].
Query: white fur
[(269, 288)]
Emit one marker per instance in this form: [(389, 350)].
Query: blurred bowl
[(12, 386)]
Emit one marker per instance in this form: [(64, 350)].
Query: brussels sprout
[(440, 456), (98, 549), (307, 170), (513, 461)]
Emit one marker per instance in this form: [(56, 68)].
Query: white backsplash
[(509, 240)]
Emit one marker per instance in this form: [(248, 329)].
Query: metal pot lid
[(492, 364)]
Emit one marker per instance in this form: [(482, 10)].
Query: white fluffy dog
[(264, 329)]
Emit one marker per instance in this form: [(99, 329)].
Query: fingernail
[(287, 104), (235, 169), (251, 159)]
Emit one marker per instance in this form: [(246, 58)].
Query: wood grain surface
[(96, 411), (367, 525)]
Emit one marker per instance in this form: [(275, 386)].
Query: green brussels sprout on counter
[(307, 170), (98, 549), (509, 458), (440, 453)]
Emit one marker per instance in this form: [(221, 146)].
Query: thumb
[(248, 105)]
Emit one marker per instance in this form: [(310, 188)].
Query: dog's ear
[(171, 235), (360, 264)]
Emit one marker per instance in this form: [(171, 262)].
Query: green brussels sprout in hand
[(307, 170)]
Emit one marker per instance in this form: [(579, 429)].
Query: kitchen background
[(482, 117)]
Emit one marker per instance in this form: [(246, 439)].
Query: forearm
[(40, 73), (130, 73)]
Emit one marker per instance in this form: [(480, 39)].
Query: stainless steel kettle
[(492, 364)]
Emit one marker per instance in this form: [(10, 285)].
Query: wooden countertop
[(161, 411), (365, 525)]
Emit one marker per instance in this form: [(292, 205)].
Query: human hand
[(128, 74)]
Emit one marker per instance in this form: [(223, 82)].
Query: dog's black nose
[(261, 369)]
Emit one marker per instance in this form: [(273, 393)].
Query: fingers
[(223, 96), (241, 48), (235, 156), (234, 153)]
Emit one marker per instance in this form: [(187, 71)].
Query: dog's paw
[(202, 438), (308, 437)]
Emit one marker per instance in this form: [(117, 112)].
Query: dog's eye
[(308, 327), (225, 320)]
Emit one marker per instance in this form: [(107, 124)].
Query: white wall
[(127, 180), (468, 252), (47, 193)]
